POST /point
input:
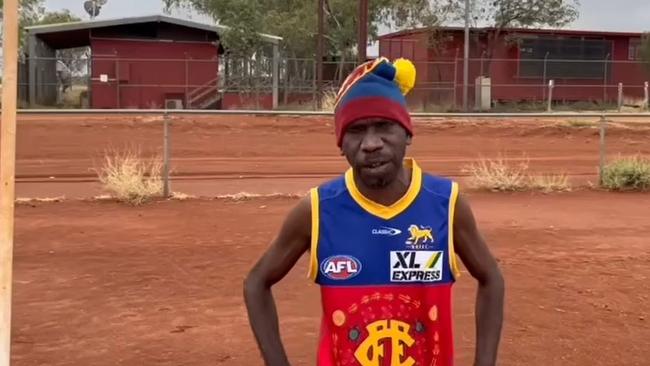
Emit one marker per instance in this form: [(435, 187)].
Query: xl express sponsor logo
[(416, 266)]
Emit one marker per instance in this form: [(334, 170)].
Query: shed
[(136, 62)]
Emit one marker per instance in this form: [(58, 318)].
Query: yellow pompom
[(405, 75)]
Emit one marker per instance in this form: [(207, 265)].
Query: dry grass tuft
[(501, 175), (329, 100), (550, 183), (498, 175), (129, 177)]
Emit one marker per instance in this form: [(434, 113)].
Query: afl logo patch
[(340, 267)]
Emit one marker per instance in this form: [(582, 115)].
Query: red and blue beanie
[(375, 89)]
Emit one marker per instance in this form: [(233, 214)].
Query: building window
[(566, 58), (634, 51)]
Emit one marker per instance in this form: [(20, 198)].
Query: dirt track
[(214, 155), (98, 283)]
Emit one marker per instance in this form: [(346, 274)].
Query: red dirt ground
[(214, 155), (99, 283)]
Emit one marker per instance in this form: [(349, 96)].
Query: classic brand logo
[(385, 230), (371, 351), (340, 267), (416, 266)]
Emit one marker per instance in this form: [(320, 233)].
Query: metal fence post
[(117, 82), (551, 85), (166, 190), (602, 149), (605, 80), (187, 83), (645, 96), (315, 102), (620, 96), (276, 76), (456, 80), (544, 77)]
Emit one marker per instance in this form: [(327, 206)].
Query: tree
[(295, 20), (644, 50), (528, 13), (76, 59), (504, 14), (30, 11)]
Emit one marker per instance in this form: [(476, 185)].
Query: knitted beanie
[(375, 89)]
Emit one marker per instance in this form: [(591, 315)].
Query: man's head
[(373, 125), (375, 149)]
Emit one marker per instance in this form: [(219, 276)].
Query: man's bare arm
[(285, 250), (480, 263)]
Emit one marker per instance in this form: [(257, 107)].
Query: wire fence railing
[(172, 134), (238, 83)]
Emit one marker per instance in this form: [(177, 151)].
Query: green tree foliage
[(296, 21), (645, 50), (29, 11), (526, 13), (504, 14), (32, 12)]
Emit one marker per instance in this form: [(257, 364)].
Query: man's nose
[(371, 142)]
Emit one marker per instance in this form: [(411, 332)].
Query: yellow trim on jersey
[(377, 209), (315, 221), (453, 261)]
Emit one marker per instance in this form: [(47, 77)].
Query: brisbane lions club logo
[(420, 237)]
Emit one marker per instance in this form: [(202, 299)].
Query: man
[(383, 240)]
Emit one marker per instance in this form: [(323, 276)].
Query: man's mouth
[(375, 164)]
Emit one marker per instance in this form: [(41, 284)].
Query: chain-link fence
[(516, 85)]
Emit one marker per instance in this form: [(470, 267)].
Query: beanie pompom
[(405, 74)]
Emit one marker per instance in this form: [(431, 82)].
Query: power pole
[(466, 60), (362, 36), (7, 170), (319, 54)]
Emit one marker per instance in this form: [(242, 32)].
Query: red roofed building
[(584, 65)]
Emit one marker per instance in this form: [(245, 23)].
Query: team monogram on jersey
[(371, 351), (416, 266), (420, 237)]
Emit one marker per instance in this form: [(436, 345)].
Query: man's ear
[(409, 139)]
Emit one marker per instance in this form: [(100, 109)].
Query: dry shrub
[(576, 123), (627, 174), (329, 100), (550, 183), (501, 175), (498, 175), (131, 178)]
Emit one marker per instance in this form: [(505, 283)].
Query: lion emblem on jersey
[(419, 235)]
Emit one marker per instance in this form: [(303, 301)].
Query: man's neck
[(391, 193)]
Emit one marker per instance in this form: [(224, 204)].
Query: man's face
[(375, 149)]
